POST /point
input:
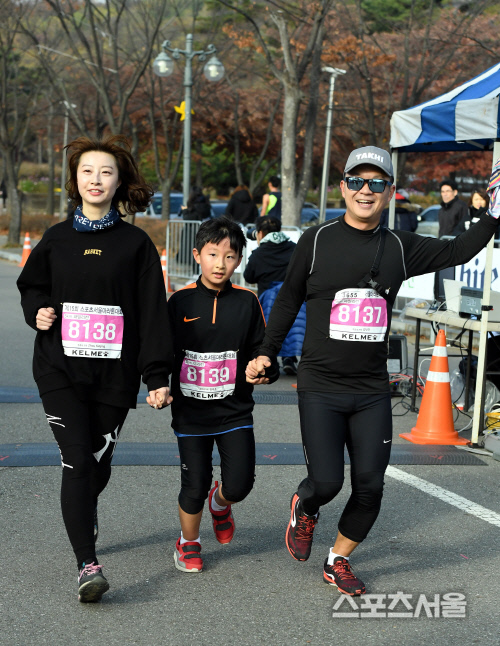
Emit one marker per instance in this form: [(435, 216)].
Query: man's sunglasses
[(375, 185)]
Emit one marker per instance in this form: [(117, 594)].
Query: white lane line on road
[(446, 496)]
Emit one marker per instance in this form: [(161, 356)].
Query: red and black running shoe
[(187, 556), (223, 521), (300, 530), (341, 575)]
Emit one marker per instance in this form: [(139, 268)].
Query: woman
[(241, 206), (94, 291), (478, 204), (198, 206)]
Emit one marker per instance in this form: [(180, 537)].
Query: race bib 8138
[(92, 331)]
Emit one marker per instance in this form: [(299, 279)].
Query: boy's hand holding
[(255, 371), (159, 398)]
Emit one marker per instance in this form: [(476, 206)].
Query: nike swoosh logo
[(186, 320), (293, 520), (386, 441)]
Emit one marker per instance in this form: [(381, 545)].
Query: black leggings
[(86, 433), (363, 423), (237, 457)]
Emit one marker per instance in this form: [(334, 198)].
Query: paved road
[(427, 541)]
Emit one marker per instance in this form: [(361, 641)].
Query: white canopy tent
[(467, 118)]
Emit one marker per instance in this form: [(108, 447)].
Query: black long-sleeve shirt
[(214, 332), (117, 267), (338, 354)]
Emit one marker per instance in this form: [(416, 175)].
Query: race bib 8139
[(208, 375)]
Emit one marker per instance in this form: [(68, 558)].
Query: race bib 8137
[(358, 314)]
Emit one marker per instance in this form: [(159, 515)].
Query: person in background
[(478, 204), (198, 206), (3, 196), (452, 208), (267, 267), (271, 202), (241, 206)]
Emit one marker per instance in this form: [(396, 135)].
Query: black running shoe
[(289, 367), (96, 525), (341, 575), (92, 583), (299, 533)]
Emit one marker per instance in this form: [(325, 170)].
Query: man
[(349, 271), (267, 267), (452, 208), (271, 202)]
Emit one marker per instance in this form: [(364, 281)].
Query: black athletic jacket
[(206, 321), (335, 256), (118, 266)]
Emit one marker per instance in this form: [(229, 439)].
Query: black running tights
[(362, 423), (86, 433)]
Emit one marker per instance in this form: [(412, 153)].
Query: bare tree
[(297, 66), (20, 82)]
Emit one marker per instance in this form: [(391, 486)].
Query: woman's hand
[(159, 398), (45, 317)]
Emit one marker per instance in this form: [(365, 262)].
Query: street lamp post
[(214, 70), (62, 200), (334, 72)]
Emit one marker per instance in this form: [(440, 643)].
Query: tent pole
[(392, 203), (483, 333)]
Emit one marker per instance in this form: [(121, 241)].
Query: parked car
[(154, 209), (331, 214), (428, 223), (218, 208)]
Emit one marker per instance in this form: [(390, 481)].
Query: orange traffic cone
[(164, 269), (26, 250), (435, 419)]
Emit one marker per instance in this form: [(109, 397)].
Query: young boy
[(217, 328)]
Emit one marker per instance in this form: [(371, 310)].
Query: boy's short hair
[(275, 181), (216, 230), (268, 224)]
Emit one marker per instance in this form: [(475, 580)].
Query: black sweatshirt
[(339, 354), (119, 267), (268, 263), (215, 334)]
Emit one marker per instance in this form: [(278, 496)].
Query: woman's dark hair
[(268, 224), (133, 194), (217, 229), (482, 193), (194, 196), (242, 187)]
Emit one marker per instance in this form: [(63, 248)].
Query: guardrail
[(181, 268)]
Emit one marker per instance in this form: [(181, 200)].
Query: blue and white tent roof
[(467, 118)]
